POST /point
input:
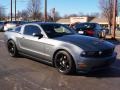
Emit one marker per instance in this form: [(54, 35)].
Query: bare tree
[(34, 9), (95, 14), (2, 13), (57, 16), (23, 15), (70, 15), (106, 7)]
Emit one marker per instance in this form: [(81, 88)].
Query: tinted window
[(30, 29), (17, 29)]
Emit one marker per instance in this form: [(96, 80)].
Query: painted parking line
[(1, 40)]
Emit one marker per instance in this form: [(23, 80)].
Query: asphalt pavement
[(27, 74)]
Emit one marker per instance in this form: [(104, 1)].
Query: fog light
[(100, 52), (82, 65)]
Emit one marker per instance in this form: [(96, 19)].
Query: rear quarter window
[(30, 29)]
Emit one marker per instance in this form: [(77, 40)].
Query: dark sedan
[(90, 29)]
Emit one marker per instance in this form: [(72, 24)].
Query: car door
[(31, 44)]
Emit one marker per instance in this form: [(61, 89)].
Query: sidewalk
[(116, 37)]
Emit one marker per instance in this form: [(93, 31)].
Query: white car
[(9, 25), (13, 24)]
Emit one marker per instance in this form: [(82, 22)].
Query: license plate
[(80, 32)]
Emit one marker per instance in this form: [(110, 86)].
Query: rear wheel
[(12, 48), (103, 34), (64, 62), (99, 35)]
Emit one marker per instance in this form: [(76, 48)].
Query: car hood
[(86, 43)]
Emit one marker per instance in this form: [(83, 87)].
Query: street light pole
[(15, 10), (114, 19), (11, 10), (45, 11)]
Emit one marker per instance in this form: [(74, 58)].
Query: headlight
[(100, 52), (83, 53)]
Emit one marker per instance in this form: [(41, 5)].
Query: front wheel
[(99, 35), (12, 48), (64, 62), (104, 34)]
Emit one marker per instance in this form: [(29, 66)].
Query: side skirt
[(37, 59)]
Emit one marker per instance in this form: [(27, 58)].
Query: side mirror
[(39, 35)]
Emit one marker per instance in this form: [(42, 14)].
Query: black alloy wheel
[(12, 48), (64, 62)]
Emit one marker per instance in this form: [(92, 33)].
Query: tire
[(64, 63), (99, 35), (104, 34), (12, 48)]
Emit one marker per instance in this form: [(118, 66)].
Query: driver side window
[(31, 29)]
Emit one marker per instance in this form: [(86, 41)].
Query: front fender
[(72, 49)]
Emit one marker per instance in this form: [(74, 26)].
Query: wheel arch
[(11, 40), (65, 51)]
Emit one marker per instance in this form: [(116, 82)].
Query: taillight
[(90, 32)]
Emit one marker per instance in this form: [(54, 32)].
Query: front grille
[(107, 52)]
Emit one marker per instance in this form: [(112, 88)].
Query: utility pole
[(53, 14), (114, 19), (11, 10), (15, 10), (45, 11)]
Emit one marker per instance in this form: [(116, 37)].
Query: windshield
[(56, 30), (85, 26)]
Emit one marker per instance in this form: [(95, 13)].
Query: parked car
[(90, 29), (60, 46), (9, 25)]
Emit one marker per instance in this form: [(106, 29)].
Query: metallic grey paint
[(46, 47)]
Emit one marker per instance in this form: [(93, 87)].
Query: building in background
[(72, 20), (101, 21)]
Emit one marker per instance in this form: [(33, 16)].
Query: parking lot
[(27, 74)]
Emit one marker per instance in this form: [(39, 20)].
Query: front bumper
[(88, 64)]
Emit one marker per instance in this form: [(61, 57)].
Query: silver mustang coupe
[(59, 45)]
